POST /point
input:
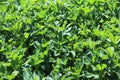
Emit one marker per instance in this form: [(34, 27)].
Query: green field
[(59, 40)]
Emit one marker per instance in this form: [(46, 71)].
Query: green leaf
[(15, 73), (104, 66), (76, 45), (110, 51), (26, 35), (91, 1), (73, 53), (35, 76), (99, 67), (3, 8), (1, 41), (111, 37), (27, 74), (90, 75)]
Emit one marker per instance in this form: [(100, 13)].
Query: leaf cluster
[(59, 39)]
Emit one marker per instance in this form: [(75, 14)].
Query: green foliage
[(59, 40)]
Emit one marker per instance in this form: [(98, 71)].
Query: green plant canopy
[(59, 40)]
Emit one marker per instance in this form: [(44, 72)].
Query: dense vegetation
[(59, 39)]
